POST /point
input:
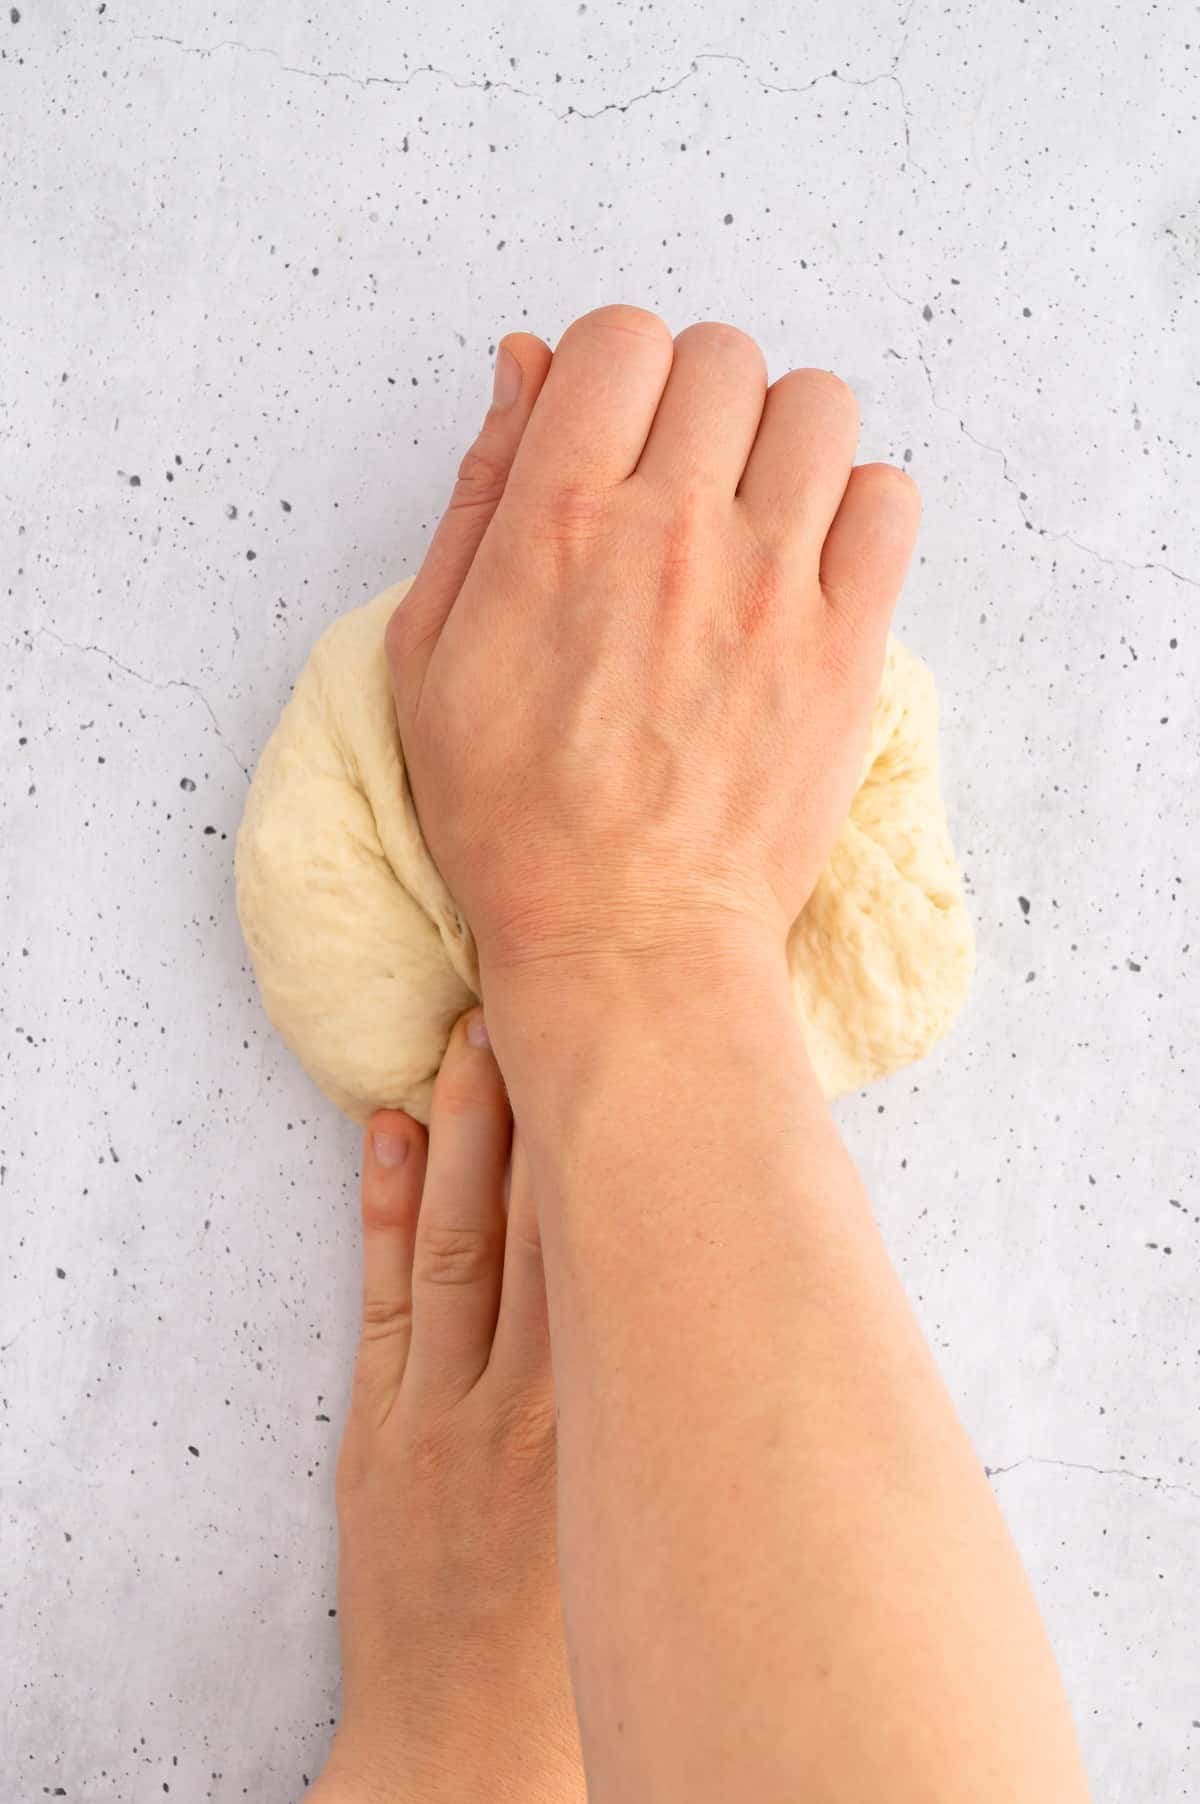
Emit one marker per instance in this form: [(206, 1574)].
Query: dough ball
[(364, 962)]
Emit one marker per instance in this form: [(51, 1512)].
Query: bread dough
[(364, 962)]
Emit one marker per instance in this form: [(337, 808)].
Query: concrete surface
[(253, 265)]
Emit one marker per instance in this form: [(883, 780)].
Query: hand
[(455, 1682), (635, 674)]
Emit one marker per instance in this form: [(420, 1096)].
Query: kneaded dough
[(364, 962)]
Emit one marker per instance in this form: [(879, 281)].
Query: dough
[(364, 962)]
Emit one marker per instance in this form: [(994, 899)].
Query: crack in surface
[(1042, 532), (488, 86), (1075, 1465), (47, 632)]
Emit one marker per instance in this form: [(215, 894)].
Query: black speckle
[(316, 271), (927, 312), (1131, 965), (1027, 312), (250, 556), (186, 783), (194, 1451), (231, 512), (286, 506), (135, 482), (1030, 975), (1024, 901), (729, 219), (59, 1272), (14, 15), (66, 1536), (210, 829)]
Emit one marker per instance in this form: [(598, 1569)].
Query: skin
[(455, 1681), (633, 681)]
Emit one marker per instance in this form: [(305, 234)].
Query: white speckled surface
[(253, 264)]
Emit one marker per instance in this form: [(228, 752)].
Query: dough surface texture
[(364, 963)]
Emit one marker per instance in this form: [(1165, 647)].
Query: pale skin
[(633, 680)]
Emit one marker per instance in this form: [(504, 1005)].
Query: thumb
[(522, 364)]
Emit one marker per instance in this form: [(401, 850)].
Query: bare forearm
[(784, 1572)]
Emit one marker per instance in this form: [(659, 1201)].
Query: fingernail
[(506, 383), (390, 1149), (477, 1031)]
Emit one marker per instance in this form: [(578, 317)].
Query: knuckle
[(764, 591), (383, 1316), (627, 322), (527, 1431), (718, 338), (684, 545), (824, 388), (481, 475), (524, 1232), (575, 515), (460, 1093), (889, 479), (453, 1255), (430, 1455)]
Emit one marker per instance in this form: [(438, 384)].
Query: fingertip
[(394, 1153), (389, 1138), (870, 544), (893, 483), (532, 353)]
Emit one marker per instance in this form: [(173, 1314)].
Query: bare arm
[(633, 682), (784, 1573)]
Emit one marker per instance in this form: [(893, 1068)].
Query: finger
[(869, 547), (597, 405), (520, 1357), (797, 472), (521, 365), (706, 422), (460, 1237), (393, 1171)]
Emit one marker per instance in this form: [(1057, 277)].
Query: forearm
[(783, 1571)]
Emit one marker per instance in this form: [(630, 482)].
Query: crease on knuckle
[(450, 1255), (574, 516), (383, 1317), (481, 477), (526, 1429), (457, 1098), (623, 321)]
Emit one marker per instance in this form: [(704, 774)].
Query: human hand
[(455, 1683), (635, 674)]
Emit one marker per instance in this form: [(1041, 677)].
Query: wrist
[(601, 984), (558, 1024)]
